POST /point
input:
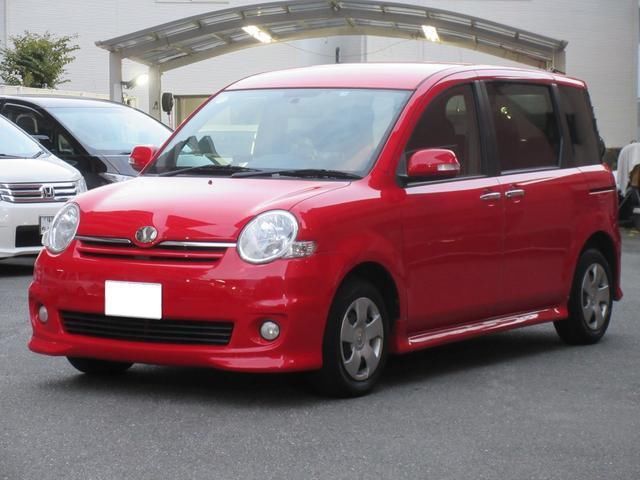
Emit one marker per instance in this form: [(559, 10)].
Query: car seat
[(27, 123)]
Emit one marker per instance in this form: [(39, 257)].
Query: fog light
[(269, 330), (43, 314)]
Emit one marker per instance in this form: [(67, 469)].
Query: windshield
[(14, 143), (111, 129), (284, 129)]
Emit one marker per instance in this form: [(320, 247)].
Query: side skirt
[(469, 330)]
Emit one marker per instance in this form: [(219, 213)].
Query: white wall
[(602, 35)]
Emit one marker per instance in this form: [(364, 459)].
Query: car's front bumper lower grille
[(180, 332)]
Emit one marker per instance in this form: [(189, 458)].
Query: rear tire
[(355, 341), (93, 366), (590, 302)]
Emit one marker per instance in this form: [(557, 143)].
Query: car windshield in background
[(279, 131), (112, 129), (14, 143)]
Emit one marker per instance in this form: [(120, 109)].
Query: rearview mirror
[(433, 163), (141, 156)]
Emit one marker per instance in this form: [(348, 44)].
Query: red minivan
[(320, 219)]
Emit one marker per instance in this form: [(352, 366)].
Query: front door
[(453, 230)]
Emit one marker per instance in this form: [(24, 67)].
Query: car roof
[(404, 76), (45, 101)]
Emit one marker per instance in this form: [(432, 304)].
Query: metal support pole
[(115, 76), (560, 61), (4, 23), (155, 88)]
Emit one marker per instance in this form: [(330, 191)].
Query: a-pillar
[(155, 87), (115, 76)]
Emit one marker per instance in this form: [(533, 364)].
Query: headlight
[(63, 228), (81, 185), (272, 235)]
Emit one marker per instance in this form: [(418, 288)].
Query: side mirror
[(433, 163), (141, 156)]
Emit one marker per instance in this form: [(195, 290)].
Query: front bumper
[(295, 293), (14, 215)]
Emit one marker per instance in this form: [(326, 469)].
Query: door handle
[(490, 196), (517, 192)]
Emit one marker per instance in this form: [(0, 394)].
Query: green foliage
[(36, 60)]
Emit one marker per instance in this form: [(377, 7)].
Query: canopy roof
[(193, 39)]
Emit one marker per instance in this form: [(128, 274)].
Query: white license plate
[(45, 223), (133, 299)]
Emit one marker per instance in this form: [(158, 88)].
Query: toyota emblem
[(146, 234)]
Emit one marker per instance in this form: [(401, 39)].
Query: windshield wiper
[(302, 173), (38, 154), (11, 155), (211, 169)]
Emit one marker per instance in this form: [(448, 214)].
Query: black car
[(95, 136)]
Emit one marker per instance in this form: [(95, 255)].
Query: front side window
[(450, 122), (526, 125), (293, 129)]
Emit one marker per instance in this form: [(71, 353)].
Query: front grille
[(168, 251), (37, 192), (28, 236), (180, 332)]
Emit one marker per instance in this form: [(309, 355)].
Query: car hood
[(36, 170), (188, 208)]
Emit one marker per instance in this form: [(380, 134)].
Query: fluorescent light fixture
[(138, 81), (258, 34), (430, 33), (141, 80)]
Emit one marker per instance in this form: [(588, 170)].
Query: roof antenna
[(337, 54)]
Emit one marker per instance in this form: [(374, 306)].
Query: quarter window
[(582, 128), (526, 126), (450, 122)]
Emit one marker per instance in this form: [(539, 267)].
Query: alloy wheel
[(596, 296), (361, 338)]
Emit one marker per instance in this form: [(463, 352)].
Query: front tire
[(590, 302), (355, 341), (93, 366)]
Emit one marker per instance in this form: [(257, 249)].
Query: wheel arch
[(383, 280), (603, 242)]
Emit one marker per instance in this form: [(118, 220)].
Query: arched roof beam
[(182, 42)]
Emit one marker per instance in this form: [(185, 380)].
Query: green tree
[(37, 60)]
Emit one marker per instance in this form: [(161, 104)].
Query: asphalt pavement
[(516, 405)]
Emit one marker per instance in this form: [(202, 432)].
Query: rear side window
[(582, 128), (526, 125)]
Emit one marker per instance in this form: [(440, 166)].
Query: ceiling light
[(258, 34), (430, 33)]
